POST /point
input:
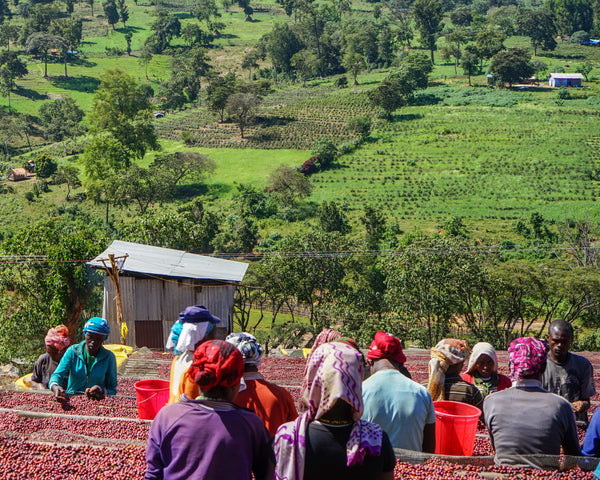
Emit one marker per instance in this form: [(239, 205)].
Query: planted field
[(105, 440)]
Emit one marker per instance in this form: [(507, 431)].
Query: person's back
[(458, 390), (273, 404), (207, 440), (529, 420), (401, 406)]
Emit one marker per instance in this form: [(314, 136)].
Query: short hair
[(561, 326)]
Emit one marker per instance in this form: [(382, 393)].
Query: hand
[(95, 393), (579, 406), (59, 393)]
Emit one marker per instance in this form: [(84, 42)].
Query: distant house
[(158, 283), (16, 174), (565, 79)]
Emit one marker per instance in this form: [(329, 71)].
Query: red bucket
[(455, 428), (151, 396)]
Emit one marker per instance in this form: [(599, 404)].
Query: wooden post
[(113, 273)]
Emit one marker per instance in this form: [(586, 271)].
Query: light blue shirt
[(400, 406), (72, 365)]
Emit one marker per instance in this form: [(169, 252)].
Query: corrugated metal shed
[(166, 262), (158, 283)]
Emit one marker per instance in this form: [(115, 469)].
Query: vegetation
[(423, 199)]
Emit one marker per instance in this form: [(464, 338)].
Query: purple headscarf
[(526, 356), (334, 372)]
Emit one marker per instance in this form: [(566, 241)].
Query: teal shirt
[(73, 365)]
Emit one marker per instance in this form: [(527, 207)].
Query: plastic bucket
[(455, 428), (151, 396)]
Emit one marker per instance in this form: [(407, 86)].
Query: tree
[(387, 96), (180, 166), (470, 64), (374, 222), (91, 4), (289, 184), (250, 61), (354, 63), (280, 44), (242, 107), (123, 12), (511, 65), (111, 12), (360, 125), (236, 235), (206, 11), (128, 36), (218, 93), (539, 26), (248, 10), (585, 69), (41, 42), (5, 12), (428, 16), (69, 176), (305, 64), (166, 27), (120, 108), (331, 218), (11, 68), (46, 293), (60, 119), (45, 166), (454, 40), (145, 57), (8, 34), (489, 41), (325, 151), (572, 15), (461, 16)]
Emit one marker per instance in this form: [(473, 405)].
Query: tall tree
[(123, 12), (121, 109), (509, 66), (41, 42), (289, 184), (69, 176), (242, 108), (61, 119), (354, 63), (111, 12), (11, 68), (428, 16), (280, 45), (539, 26), (218, 93), (572, 15), (5, 13)]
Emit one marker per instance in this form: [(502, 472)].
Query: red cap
[(385, 345)]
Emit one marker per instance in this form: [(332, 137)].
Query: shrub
[(309, 167), (341, 82), (325, 151), (186, 137), (29, 196), (564, 94), (579, 36), (45, 166)]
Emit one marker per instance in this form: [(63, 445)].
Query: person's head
[(448, 356), (96, 330), (198, 326), (560, 337), (483, 361), (249, 347), (57, 341), (217, 368), (386, 347), (333, 375), (527, 358), (325, 336)]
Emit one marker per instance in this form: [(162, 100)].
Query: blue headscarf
[(97, 325)]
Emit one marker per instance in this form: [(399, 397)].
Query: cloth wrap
[(526, 356), (449, 351), (216, 363), (58, 337), (335, 371), (248, 346), (479, 349), (386, 345)]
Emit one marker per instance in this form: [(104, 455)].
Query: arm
[(37, 375), (111, 375), (429, 438), (62, 371), (591, 442)]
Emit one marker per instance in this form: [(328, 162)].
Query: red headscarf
[(58, 337), (385, 345), (216, 363)]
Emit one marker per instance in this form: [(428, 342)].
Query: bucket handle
[(149, 398)]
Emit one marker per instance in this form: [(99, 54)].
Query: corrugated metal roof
[(145, 259), (567, 75)]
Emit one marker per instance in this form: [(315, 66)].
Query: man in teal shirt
[(91, 368)]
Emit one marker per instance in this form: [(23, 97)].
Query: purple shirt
[(207, 440)]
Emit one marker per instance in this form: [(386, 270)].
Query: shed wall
[(160, 301)]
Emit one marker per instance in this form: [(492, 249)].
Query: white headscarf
[(191, 334), (482, 348)]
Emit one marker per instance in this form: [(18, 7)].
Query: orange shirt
[(272, 403)]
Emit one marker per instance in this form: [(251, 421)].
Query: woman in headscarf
[(272, 403), (90, 368), (57, 341), (482, 370), (329, 440), (198, 325), (210, 438), (447, 359)]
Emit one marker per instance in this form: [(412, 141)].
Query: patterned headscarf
[(97, 325), (449, 351), (326, 336), (216, 363), (248, 346), (58, 337), (385, 345), (479, 349), (335, 372), (526, 356)]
